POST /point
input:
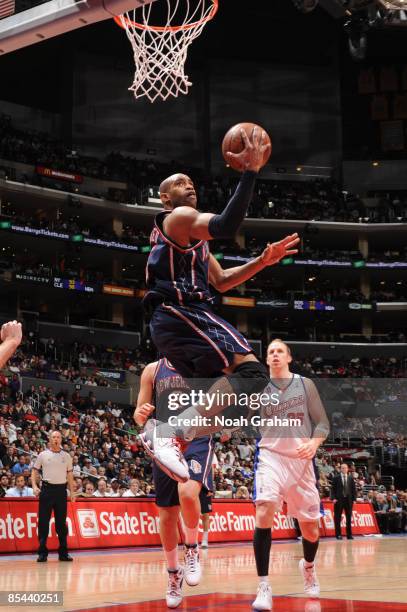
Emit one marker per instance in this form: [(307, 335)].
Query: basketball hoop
[(160, 51)]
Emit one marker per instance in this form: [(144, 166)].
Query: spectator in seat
[(4, 484), (394, 513), (101, 491), (381, 511), (114, 483), (20, 489), (18, 468), (88, 490), (242, 493), (134, 490)]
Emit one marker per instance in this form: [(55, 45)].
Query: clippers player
[(179, 273), (284, 469), (158, 380)]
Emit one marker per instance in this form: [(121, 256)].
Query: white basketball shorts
[(285, 479)]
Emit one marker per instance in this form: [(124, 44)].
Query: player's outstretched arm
[(11, 336), (144, 407), (224, 280), (185, 222)]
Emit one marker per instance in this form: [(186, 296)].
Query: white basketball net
[(395, 5), (160, 52)]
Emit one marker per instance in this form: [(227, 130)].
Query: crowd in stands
[(78, 268), (72, 224), (108, 460), (319, 200), (76, 362), (39, 148), (356, 367), (47, 358), (99, 436), (69, 266), (254, 247)]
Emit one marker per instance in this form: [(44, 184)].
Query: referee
[(56, 467)]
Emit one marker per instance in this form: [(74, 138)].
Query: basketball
[(233, 143)]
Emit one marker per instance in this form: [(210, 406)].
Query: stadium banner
[(321, 263), (19, 524), (105, 523), (363, 519), (111, 244), (238, 301), (32, 278), (118, 376), (117, 290), (58, 174), (75, 284), (346, 453), (272, 303)]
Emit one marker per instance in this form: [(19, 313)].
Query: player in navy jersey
[(179, 273), (158, 381)]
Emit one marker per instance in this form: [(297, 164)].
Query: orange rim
[(188, 26)]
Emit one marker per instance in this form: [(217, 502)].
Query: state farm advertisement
[(104, 523), (363, 519)]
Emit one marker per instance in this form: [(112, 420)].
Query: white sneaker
[(174, 588), (193, 572), (165, 452), (311, 584), (204, 544), (264, 599)]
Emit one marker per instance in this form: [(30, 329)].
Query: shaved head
[(177, 190), (165, 186)]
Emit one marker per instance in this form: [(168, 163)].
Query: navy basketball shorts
[(198, 343), (205, 498), (198, 456)]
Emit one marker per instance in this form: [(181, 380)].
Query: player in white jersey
[(284, 469)]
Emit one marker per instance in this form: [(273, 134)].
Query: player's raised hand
[(275, 251), (11, 331), (142, 413), (307, 450), (254, 152)]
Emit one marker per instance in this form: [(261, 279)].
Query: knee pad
[(249, 377)]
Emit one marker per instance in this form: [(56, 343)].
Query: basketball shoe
[(193, 572), (264, 599), (174, 588), (165, 452), (311, 584)]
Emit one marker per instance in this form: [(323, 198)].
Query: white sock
[(191, 535), (205, 537), (308, 563), (264, 579), (172, 558)]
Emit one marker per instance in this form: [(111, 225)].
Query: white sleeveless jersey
[(279, 433)]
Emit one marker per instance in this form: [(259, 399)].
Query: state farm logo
[(88, 523)]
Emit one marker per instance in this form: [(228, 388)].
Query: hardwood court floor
[(354, 576)]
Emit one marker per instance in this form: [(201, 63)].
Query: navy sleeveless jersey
[(166, 381), (180, 274)]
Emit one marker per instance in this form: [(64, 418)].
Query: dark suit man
[(343, 493)]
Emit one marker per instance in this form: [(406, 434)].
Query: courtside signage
[(104, 523)]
